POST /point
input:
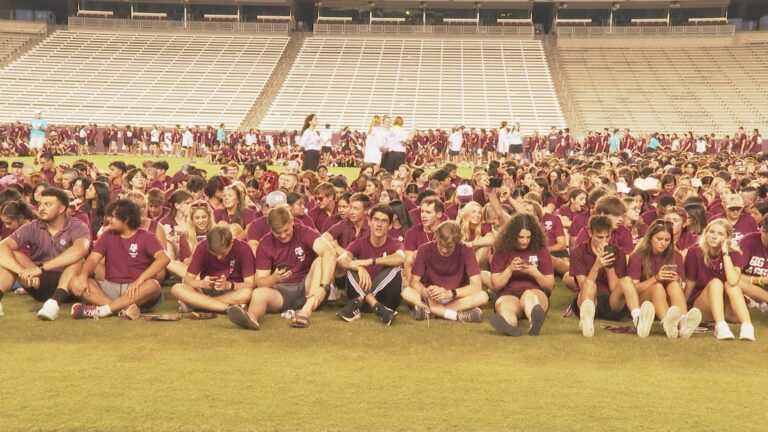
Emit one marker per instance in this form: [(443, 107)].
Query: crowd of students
[(677, 237)]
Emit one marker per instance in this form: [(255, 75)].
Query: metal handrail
[(181, 26), (701, 30), (521, 31)]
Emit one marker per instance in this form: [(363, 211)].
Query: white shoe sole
[(645, 322), (750, 336), (587, 318), (692, 321), (672, 322)]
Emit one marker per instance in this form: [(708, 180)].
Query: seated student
[(600, 268), (133, 259), (656, 269), (431, 211), (522, 274), (712, 272), (260, 227), (374, 266), (294, 268), (234, 213), (200, 221), (447, 277), (220, 274), (754, 277), (682, 237), (56, 242), (554, 231), (354, 227)]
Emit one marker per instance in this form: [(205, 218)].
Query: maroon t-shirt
[(236, 266), (553, 227), (397, 234), (260, 227), (126, 258), (582, 260), (755, 255), (635, 269), (319, 217), (449, 272), (417, 237), (701, 274), (344, 232), (484, 230), (520, 281), (621, 237), (298, 253), (578, 222), (641, 230), (565, 210), (42, 247), (248, 216), (686, 240), (362, 249)]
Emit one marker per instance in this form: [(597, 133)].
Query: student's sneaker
[(420, 312), (183, 308), (84, 311), (474, 315), (671, 322), (645, 320), (723, 332), (689, 323), (49, 311), (587, 318), (747, 332), (386, 314), (350, 311), (334, 294), (2, 312), (537, 320), (763, 307), (132, 312)]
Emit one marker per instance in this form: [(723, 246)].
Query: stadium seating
[(430, 82), (11, 41), (670, 89), (79, 77)]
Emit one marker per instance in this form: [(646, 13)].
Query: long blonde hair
[(189, 227), (375, 122), (463, 219), (728, 233)]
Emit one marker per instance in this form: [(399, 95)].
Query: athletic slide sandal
[(500, 324), (240, 318), (165, 317), (300, 321)]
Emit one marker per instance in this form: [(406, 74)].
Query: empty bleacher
[(79, 77), (11, 42), (670, 89), (430, 82)]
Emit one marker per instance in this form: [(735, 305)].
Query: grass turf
[(114, 374), (118, 375)]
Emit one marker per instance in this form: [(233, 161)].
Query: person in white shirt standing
[(516, 142), (326, 144), (187, 141), (503, 145), (310, 144), (374, 143), (396, 141), (455, 142)]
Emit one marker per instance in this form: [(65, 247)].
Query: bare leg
[(196, 299)]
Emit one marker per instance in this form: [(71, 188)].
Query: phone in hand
[(496, 182), (282, 267), (669, 268), (609, 250)]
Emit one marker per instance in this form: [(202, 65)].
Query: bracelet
[(453, 293), (373, 261)]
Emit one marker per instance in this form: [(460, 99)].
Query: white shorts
[(36, 143)]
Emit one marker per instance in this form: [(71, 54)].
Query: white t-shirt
[(326, 135), (250, 139), (456, 140), (515, 138), (310, 140), (396, 139), (187, 139), (373, 143), (154, 135), (701, 146), (503, 144)]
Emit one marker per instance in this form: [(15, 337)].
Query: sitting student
[(446, 275), (522, 274), (294, 268), (712, 272), (600, 268), (56, 243), (656, 269), (219, 275), (133, 259), (200, 221), (754, 277), (374, 265)]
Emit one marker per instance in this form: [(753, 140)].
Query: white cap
[(464, 192), (276, 198), (622, 187)]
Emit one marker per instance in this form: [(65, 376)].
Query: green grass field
[(119, 375)]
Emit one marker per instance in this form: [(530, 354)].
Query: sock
[(451, 315), (1, 294), (635, 313), (104, 311), (60, 295)]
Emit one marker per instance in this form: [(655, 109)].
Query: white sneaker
[(723, 332), (645, 321), (763, 307), (49, 311), (2, 312), (587, 318), (747, 332), (689, 323), (671, 322)]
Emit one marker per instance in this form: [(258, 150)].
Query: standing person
[(57, 244), (326, 137), (396, 142), (133, 260), (516, 142), (187, 141), (503, 141), (713, 271), (522, 274), (374, 142), (38, 128), (456, 143), (310, 144)]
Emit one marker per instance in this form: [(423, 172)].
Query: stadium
[(383, 215)]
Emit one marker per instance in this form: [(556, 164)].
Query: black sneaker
[(420, 312), (350, 311), (386, 314)]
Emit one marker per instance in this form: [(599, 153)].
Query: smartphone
[(282, 267), (496, 182), (609, 250), (669, 268)]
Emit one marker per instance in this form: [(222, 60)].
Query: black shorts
[(516, 149), (453, 153), (81, 141), (311, 160), (519, 294), (561, 254), (210, 292), (327, 150), (294, 295), (49, 281), (602, 308)]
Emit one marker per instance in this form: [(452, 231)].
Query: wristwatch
[(453, 293), (326, 287)]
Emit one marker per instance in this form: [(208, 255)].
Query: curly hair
[(507, 240)]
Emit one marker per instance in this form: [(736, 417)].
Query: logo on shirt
[(62, 242), (300, 254), (133, 250), (533, 260), (548, 225)]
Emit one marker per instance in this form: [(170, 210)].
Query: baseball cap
[(293, 165), (17, 164), (276, 198), (464, 192), (734, 201), (622, 187)]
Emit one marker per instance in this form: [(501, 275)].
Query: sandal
[(300, 321)]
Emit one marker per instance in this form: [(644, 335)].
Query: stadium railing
[(703, 30), (76, 23), (519, 31)]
